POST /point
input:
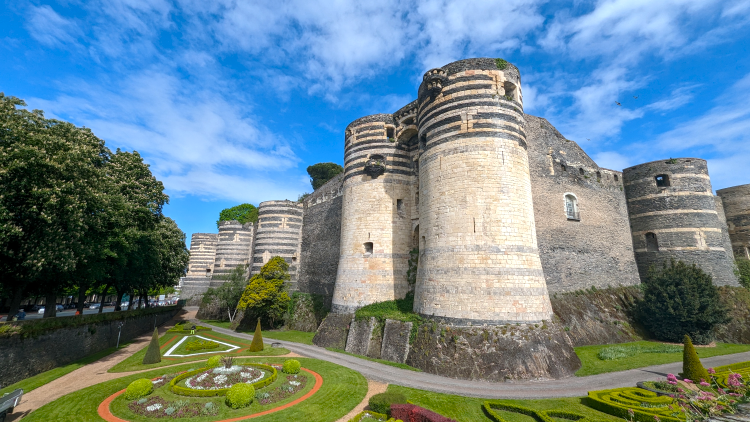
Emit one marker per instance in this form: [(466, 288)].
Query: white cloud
[(51, 29)]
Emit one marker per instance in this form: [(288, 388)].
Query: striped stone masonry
[(234, 248), (736, 201), (200, 266), (673, 214), (479, 261), (279, 233)]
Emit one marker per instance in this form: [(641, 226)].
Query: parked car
[(59, 308), (95, 306), (31, 308), (124, 305)]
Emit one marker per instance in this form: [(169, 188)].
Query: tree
[(743, 272), (692, 368), (257, 344), (229, 293), (244, 213), (265, 296), (680, 299), (321, 173), (153, 353)]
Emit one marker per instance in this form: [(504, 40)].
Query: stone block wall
[(478, 255), (593, 247), (200, 267), (234, 248), (736, 202), (279, 234), (25, 357), (673, 214), (321, 238)]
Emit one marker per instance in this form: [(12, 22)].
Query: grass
[(134, 362), (39, 380), (640, 354), (341, 391), (182, 348), (284, 335), (469, 409), (385, 362), (400, 310)]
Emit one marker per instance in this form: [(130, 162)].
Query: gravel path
[(567, 387)]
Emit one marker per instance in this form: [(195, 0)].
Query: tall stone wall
[(594, 247), (673, 215), (478, 255), (375, 224), (200, 267), (279, 234), (736, 201), (321, 238), (234, 248)]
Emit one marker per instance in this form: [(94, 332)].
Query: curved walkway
[(566, 387)]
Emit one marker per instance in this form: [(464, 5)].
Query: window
[(652, 245), (571, 207), (208, 271), (662, 181), (389, 132), (400, 206), (580, 170), (562, 166), (368, 248), (416, 199), (616, 178), (598, 176), (510, 91)]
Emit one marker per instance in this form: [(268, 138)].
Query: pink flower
[(687, 380), (656, 418), (680, 390), (704, 383), (721, 391), (711, 370)]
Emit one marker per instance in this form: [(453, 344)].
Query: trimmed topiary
[(291, 366), (240, 395), (213, 361), (139, 388), (692, 368), (257, 344), (681, 299), (381, 403), (153, 353)]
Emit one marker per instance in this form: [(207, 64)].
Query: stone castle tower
[(674, 214), (279, 231), (736, 201)]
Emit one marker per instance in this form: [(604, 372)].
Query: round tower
[(200, 268), (736, 202), (279, 233), (673, 214), (478, 256), (233, 249), (375, 221)]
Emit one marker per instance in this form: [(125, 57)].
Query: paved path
[(567, 387)]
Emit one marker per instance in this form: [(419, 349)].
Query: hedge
[(414, 413), (184, 391), (618, 401), (538, 415), (36, 327), (379, 416), (722, 372)]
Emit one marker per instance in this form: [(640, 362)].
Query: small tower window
[(662, 181), (400, 206), (389, 132), (416, 199), (616, 178), (510, 91), (208, 271), (598, 176), (580, 170), (368, 248), (562, 166), (652, 245), (571, 207)]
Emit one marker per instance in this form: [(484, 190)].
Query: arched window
[(598, 176), (580, 170), (571, 207), (652, 245), (562, 166), (662, 180), (616, 178), (368, 248)]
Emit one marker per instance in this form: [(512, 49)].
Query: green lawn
[(45, 377), (342, 390), (592, 365), (385, 362), (134, 362), (469, 409), (285, 335), (182, 348)]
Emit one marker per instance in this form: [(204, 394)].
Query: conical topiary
[(153, 354), (692, 368), (257, 344)]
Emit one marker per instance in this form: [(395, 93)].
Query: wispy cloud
[(50, 29)]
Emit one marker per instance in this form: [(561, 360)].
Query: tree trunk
[(118, 302), (81, 298), (50, 305), (104, 296), (132, 299), (15, 302)]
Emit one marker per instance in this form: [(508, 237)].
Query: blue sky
[(230, 101)]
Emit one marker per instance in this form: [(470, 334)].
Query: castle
[(500, 209)]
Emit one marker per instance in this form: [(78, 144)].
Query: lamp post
[(119, 325)]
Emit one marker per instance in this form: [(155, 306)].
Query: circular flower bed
[(207, 382)]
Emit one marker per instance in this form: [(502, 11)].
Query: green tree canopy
[(323, 172), (680, 299), (229, 293), (743, 271), (244, 213), (265, 296)]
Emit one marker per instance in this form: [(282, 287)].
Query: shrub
[(265, 295), (680, 299), (381, 403), (153, 353), (644, 404), (692, 368), (139, 388), (367, 415), (743, 272), (213, 361), (201, 345), (413, 413), (257, 344), (291, 366), (240, 395)]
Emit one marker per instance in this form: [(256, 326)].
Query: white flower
[(153, 407), (157, 381), (220, 379), (295, 383)]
